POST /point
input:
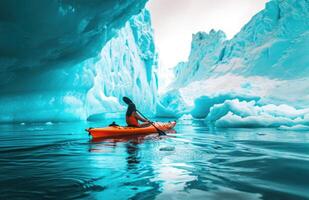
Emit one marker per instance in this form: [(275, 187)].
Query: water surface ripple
[(59, 161)]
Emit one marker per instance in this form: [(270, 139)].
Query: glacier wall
[(265, 64), (73, 60), (127, 67)]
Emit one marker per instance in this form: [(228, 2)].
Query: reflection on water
[(60, 161)]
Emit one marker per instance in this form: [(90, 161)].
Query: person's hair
[(131, 109), (127, 100)]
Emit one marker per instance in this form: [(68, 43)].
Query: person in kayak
[(132, 116)]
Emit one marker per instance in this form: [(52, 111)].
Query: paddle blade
[(160, 131)]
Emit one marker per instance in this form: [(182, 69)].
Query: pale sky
[(174, 22)]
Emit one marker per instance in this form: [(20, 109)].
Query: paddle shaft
[(159, 131)]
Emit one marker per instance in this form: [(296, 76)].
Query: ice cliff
[(72, 60), (259, 78), (127, 67)]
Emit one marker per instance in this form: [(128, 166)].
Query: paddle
[(128, 101), (159, 131)]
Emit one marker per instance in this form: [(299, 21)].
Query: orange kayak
[(117, 131)]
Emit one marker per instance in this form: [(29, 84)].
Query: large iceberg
[(232, 83), (74, 60), (127, 67)]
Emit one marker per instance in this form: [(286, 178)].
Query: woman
[(132, 117)]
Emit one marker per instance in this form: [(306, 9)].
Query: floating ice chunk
[(204, 103), (186, 117), (234, 113), (295, 128), (234, 121)]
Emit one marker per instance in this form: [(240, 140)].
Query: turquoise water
[(59, 161)]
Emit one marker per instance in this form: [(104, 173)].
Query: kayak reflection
[(114, 140), (133, 158)]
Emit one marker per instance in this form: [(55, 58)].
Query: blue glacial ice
[(77, 59), (127, 67), (171, 105), (235, 113), (259, 78)]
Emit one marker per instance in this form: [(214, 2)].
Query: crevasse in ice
[(72, 60), (234, 83)]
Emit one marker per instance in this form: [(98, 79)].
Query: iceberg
[(238, 114), (294, 128), (74, 60), (126, 67), (171, 105), (246, 81)]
